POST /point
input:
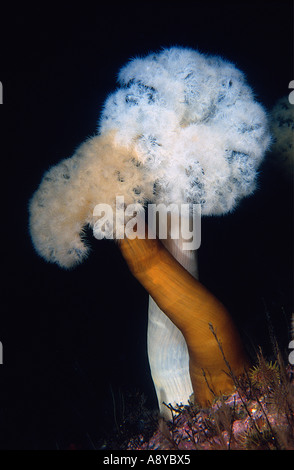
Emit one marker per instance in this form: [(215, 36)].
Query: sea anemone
[(182, 128), (282, 129)]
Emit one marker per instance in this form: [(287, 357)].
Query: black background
[(74, 343)]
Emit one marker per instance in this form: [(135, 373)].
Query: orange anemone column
[(194, 310)]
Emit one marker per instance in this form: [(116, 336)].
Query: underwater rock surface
[(259, 415)]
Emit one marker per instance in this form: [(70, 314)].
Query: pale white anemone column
[(167, 349)]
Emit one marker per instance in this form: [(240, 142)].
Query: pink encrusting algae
[(259, 415)]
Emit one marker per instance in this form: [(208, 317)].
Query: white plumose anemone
[(282, 129), (195, 125), (197, 129), (182, 127)]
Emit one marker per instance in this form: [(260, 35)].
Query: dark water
[(74, 343)]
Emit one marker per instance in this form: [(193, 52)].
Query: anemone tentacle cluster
[(282, 130), (182, 127), (195, 125)]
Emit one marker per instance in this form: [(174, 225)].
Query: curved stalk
[(193, 309)]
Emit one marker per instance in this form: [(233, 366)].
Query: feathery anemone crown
[(182, 127), (195, 125)]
